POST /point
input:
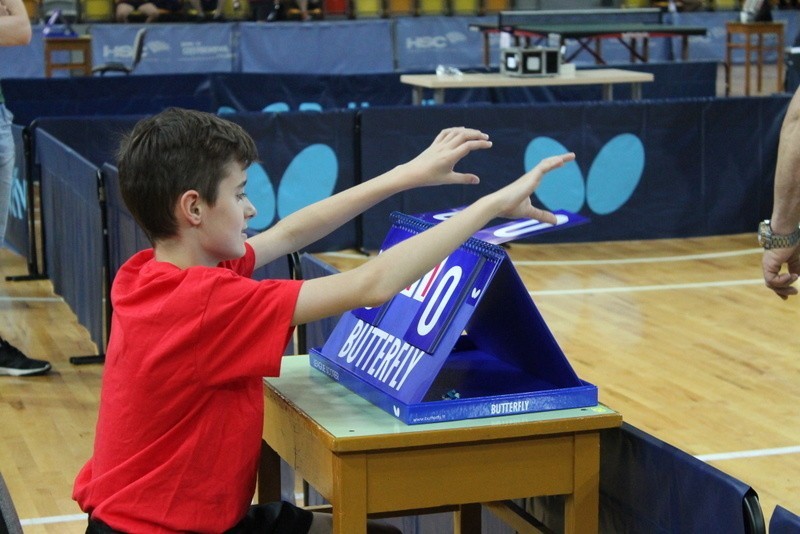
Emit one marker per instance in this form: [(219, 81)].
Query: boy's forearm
[(411, 259), (317, 220)]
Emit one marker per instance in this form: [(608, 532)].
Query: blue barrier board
[(465, 341)]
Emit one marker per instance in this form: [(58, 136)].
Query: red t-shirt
[(181, 411)]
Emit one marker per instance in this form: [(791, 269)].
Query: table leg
[(685, 47), (760, 64), (467, 520), (416, 95), (438, 96), (582, 507), (747, 52), (349, 497), (598, 50), (636, 91), (485, 49), (728, 65), (608, 91)]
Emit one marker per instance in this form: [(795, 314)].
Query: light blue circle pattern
[(613, 176), (261, 193), (560, 189), (310, 177)]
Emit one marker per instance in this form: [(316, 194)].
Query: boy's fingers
[(543, 216), (465, 178)]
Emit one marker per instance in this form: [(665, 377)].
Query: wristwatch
[(768, 240)]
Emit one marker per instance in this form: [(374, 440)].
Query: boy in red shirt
[(179, 429)]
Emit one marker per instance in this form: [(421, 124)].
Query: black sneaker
[(14, 363)]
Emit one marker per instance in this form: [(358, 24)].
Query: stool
[(82, 44), (748, 29)]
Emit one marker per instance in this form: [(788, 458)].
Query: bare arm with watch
[(780, 235)]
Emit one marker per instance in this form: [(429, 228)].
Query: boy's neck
[(180, 254)]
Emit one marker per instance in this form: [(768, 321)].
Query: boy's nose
[(249, 210)]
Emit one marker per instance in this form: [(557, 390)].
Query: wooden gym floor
[(680, 336)]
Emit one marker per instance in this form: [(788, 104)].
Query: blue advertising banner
[(424, 43), (168, 48), (337, 47), (465, 341)]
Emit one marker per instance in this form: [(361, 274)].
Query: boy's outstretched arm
[(382, 277), (434, 166)]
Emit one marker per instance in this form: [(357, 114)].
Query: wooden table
[(605, 77), (82, 44), (367, 463), (748, 30)]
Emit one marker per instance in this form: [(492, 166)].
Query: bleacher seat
[(97, 10)]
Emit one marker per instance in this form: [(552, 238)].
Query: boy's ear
[(189, 207)]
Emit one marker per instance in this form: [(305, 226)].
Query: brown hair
[(173, 152)]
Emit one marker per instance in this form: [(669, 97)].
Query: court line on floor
[(633, 289), (653, 259), (53, 519), (31, 299), (755, 453)]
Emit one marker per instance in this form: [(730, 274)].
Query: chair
[(748, 30), (138, 50), (97, 10), (68, 9), (9, 520)]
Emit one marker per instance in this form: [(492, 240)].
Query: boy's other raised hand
[(435, 165), (515, 198)]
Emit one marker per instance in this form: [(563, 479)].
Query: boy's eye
[(241, 196)]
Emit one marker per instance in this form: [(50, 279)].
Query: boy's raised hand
[(434, 166), (515, 198)]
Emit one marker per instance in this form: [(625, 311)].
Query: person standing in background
[(15, 30)]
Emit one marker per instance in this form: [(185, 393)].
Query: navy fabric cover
[(72, 226), (30, 99), (17, 235), (707, 165), (647, 485), (784, 522)]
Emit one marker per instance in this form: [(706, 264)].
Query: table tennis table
[(634, 36)]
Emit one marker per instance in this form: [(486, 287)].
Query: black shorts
[(270, 518)]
